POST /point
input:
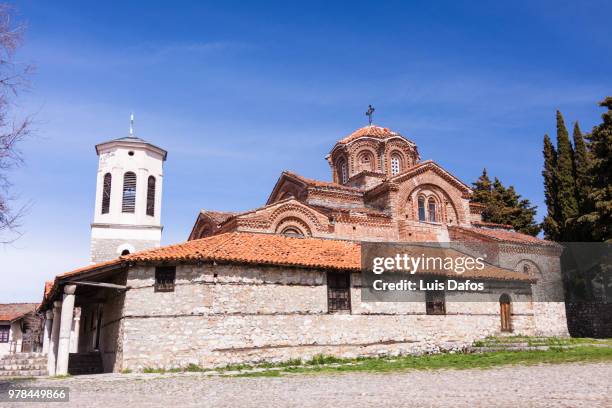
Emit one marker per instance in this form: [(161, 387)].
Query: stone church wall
[(544, 265), (225, 314)]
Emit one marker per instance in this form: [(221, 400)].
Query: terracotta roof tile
[(271, 249), (492, 225), (501, 235), (12, 311), (219, 216), (323, 184), (370, 131)]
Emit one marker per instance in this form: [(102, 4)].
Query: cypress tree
[(566, 185), (550, 225), (581, 169), (600, 194)]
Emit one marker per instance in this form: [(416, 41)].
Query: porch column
[(47, 332), (54, 338), (63, 350), (76, 327)]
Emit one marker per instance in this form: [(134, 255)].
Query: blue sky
[(239, 91)]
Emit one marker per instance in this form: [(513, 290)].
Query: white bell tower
[(127, 214)]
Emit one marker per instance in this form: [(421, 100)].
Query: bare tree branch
[(13, 80)]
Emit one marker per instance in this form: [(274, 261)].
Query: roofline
[(134, 144)]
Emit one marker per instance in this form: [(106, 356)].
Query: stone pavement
[(564, 385)]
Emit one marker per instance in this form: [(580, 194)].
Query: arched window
[(106, 193), (343, 171), (421, 209), (125, 252), (292, 232), (366, 161), (395, 165), (431, 207), (129, 192), (151, 196)]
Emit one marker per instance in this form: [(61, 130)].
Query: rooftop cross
[(131, 124), (369, 113)]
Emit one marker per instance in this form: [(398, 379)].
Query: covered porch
[(82, 319)]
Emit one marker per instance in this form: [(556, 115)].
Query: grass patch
[(458, 361)]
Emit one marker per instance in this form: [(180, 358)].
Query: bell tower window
[(151, 196), (106, 193), (129, 192)]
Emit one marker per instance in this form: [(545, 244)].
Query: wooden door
[(504, 308)]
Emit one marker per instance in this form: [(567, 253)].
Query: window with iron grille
[(435, 302), (338, 292), (151, 196), (106, 193), (4, 334), (164, 278), (421, 209), (129, 192), (395, 165)]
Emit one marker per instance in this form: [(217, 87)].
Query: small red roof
[(13, 311), (502, 235)]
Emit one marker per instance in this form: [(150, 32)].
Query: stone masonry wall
[(103, 249), (225, 314), (548, 295)]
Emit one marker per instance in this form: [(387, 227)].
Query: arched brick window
[(151, 196), (342, 171), (292, 232), (431, 209), (106, 193), (395, 165), (129, 192), (422, 209), (366, 161)]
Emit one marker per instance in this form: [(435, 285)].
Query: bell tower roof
[(131, 141)]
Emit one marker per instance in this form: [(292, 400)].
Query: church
[(282, 281)]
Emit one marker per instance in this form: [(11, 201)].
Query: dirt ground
[(564, 385)]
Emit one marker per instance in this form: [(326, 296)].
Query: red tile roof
[(270, 249), (492, 225), (319, 183), (219, 216), (370, 131), (13, 311), (502, 235)]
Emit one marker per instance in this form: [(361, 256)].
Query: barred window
[(164, 278), (338, 292), (343, 171), (395, 165), (432, 210), (4, 334), (421, 209), (129, 192), (106, 193), (435, 302), (151, 196)]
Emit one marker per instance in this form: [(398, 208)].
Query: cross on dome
[(369, 113)]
